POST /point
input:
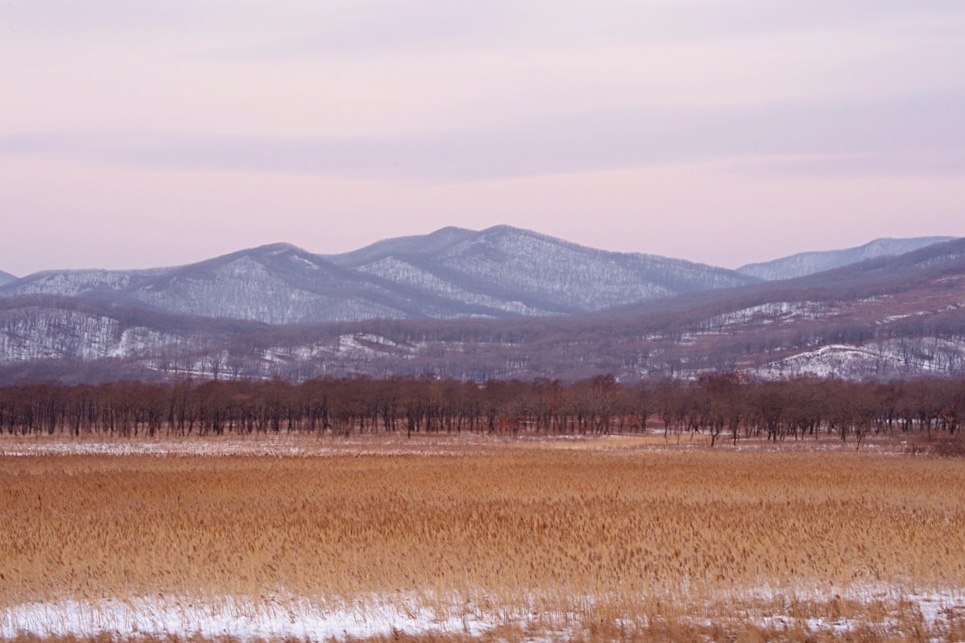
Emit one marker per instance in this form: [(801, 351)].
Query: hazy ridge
[(808, 263)]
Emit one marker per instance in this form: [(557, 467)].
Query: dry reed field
[(585, 540)]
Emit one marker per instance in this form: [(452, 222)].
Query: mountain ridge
[(886, 317), (450, 273), (806, 263)]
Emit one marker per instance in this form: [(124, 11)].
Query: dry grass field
[(610, 538)]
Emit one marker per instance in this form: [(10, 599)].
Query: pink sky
[(136, 134)]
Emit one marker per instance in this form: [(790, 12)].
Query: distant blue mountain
[(450, 273), (809, 263)]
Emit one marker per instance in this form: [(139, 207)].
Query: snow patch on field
[(263, 445), (234, 617), (404, 614), (936, 609)]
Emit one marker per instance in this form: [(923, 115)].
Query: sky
[(153, 133)]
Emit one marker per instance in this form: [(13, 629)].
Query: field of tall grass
[(590, 539)]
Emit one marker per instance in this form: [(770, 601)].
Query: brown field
[(583, 539)]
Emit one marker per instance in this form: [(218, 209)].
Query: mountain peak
[(274, 248), (449, 230), (503, 228), (422, 244)]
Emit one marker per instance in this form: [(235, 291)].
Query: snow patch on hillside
[(888, 358), (69, 334), (780, 311)]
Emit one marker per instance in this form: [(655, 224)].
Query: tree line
[(720, 406)]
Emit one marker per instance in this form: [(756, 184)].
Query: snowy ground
[(234, 617), (306, 619), (298, 445), (271, 445)]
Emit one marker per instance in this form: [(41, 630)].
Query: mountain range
[(500, 272), (892, 316), (6, 277), (451, 273)]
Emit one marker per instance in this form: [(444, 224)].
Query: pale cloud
[(911, 131), (949, 164)]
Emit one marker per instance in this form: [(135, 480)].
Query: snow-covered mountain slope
[(807, 263), (888, 317), (53, 335), (451, 273), (278, 284), (73, 283), (531, 272), (40, 335), (6, 277)]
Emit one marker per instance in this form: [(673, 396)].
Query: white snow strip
[(234, 617), (375, 615), (262, 446)]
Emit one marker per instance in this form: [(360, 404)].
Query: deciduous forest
[(718, 407)]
